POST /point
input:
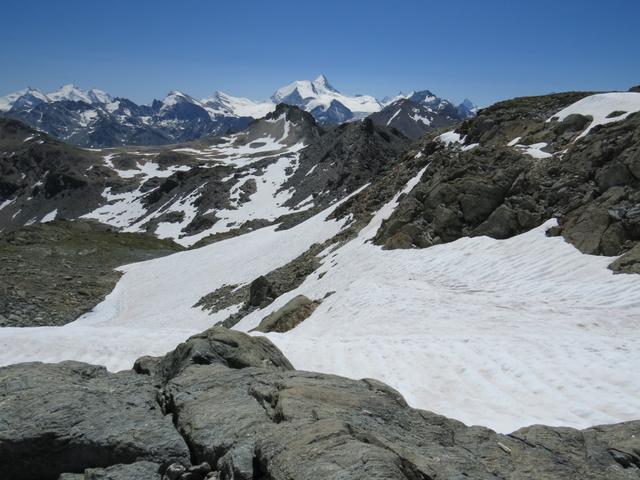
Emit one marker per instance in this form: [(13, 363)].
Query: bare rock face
[(71, 416)]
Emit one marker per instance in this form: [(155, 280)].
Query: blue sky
[(482, 49)]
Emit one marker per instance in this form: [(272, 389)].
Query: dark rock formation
[(216, 346), (261, 292)]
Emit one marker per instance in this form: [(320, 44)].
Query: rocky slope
[(229, 406), (282, 165), (516, 165)]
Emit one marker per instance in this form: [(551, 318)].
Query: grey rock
[(254, 423), (133, 471), (286, 318), (70, 416), (628, 263), (174, 471), (220, 346)]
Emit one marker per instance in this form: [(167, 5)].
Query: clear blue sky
[(482, 49)]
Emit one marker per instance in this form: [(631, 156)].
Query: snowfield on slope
[(601, 106), (499, 333)]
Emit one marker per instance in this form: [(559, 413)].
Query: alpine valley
[(319, 286)]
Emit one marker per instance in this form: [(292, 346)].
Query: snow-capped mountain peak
[(321, 99), (70, 92), (99, 96), (221, 103), (321, 83), (25, 98)]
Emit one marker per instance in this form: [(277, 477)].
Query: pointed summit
[(322, 83)]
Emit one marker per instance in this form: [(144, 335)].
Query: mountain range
[(93, 118)]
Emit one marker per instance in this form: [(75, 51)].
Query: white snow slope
[(150, 310), (500, 333), (600, 106)]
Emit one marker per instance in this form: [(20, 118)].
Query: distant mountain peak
[(69, 92), (322, 83)]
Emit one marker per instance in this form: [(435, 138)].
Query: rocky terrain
[(284, 165), (509, 169), (229, 406)]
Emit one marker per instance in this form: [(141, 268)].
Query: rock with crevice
[(70, 416)]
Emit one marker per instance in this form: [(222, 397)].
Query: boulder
[(219, 346), (629, 262), (286, 318), (261, 292)]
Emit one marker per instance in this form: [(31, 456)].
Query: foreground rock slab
[(254, 423), (229, 402)]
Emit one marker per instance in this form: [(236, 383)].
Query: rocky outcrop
[(254, 423), (491, 185), (288, 317), (244, 413)]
